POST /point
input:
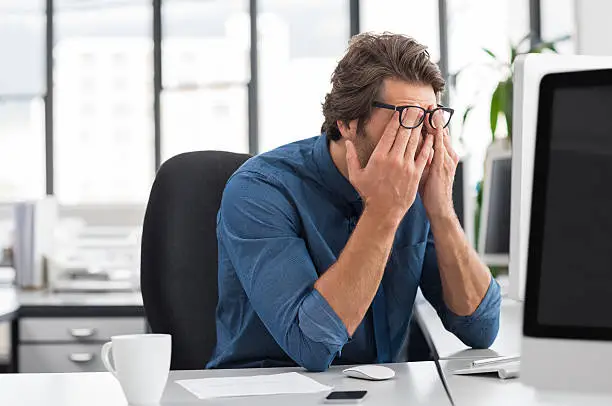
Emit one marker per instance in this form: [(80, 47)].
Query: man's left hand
[(437, 180)]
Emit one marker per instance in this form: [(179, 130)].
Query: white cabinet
[(69, 344)]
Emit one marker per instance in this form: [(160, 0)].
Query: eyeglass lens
[(412, 117)]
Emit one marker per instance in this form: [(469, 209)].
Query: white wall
[(593, 27)]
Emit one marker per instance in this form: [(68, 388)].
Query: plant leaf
[(508, 110), (546, 45), (452, 77), (490, 53), (522, 40), (495, 109), (466, 113), (562, 38)]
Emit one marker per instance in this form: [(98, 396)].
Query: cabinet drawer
[(76, 329), (35, 358)]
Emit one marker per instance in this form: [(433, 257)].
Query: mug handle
[(104, 354)]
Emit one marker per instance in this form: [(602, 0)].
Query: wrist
[(440, 210), (443, 219), (384, 217)]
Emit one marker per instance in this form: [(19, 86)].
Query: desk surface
[(46, 298), (9, 303), (486, 390), (448, 346), (45, 304), (415, 384)]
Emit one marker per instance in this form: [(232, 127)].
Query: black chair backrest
[(179, 252)]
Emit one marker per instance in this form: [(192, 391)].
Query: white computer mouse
[(370, 372)]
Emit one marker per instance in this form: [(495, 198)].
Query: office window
[(103, 122), (416, 18), (22, 87), (205, 64), (472, 26), (300, 43), (559, 20)]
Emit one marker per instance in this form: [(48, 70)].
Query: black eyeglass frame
[(401, 109)]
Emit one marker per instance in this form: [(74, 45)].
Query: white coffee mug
[(141, 365)]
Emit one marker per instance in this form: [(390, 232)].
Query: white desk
[(8, 303), (487, 390), (415, 384), (448, 346)]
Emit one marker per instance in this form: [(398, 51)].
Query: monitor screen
[(458, 198), (569, 269), (497, 240)]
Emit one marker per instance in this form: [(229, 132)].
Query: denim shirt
[(284, 219)]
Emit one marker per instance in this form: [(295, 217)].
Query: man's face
[(397, 93)]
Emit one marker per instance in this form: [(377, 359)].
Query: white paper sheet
[(290, 382)]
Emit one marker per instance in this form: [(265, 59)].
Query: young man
[(324, 242)]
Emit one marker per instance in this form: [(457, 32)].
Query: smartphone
[(351, 396)]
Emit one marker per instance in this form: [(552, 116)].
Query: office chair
[(179, 252)]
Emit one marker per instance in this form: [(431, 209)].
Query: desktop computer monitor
[(567, 332), (528, 71), (494, 227), (459, 193)]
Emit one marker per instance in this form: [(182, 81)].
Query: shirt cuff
[(320, 323), (489, 305), (479, 329), (488, 308)]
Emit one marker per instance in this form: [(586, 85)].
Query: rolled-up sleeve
[(259, 228), (477, 330)]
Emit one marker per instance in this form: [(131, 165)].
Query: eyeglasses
[(413, 116)]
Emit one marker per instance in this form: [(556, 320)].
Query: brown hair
[(358, 78)]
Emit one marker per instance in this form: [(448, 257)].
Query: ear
[(348, 131)]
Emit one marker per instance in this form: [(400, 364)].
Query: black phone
[(351, 396)]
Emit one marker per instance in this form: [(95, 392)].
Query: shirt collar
[(331, 178)]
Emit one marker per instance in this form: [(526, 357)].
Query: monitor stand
[(581, 366)]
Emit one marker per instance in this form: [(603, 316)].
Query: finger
[(448, 144), (425, 173), (438, 145), (438, 119), (352, 160), (412, 117), (449, 160), (423, 180), (449, 147), (423, 157), (402, 139), (413, 144), (388, 138)]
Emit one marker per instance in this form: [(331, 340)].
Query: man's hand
[(389, 182), (438, 177)]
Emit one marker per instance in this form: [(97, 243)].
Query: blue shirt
[(284, 219)]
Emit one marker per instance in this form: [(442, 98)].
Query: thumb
[(352, 161)]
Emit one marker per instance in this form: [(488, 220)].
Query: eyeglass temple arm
[(386, 106)]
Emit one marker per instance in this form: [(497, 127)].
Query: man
[(324, 242)]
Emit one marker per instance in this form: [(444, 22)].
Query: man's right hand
[(389, 182)]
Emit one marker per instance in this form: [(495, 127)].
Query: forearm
[(465, 278), (349, 286)]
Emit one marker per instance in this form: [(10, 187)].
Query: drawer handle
[(82, 332), (81, 357)]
